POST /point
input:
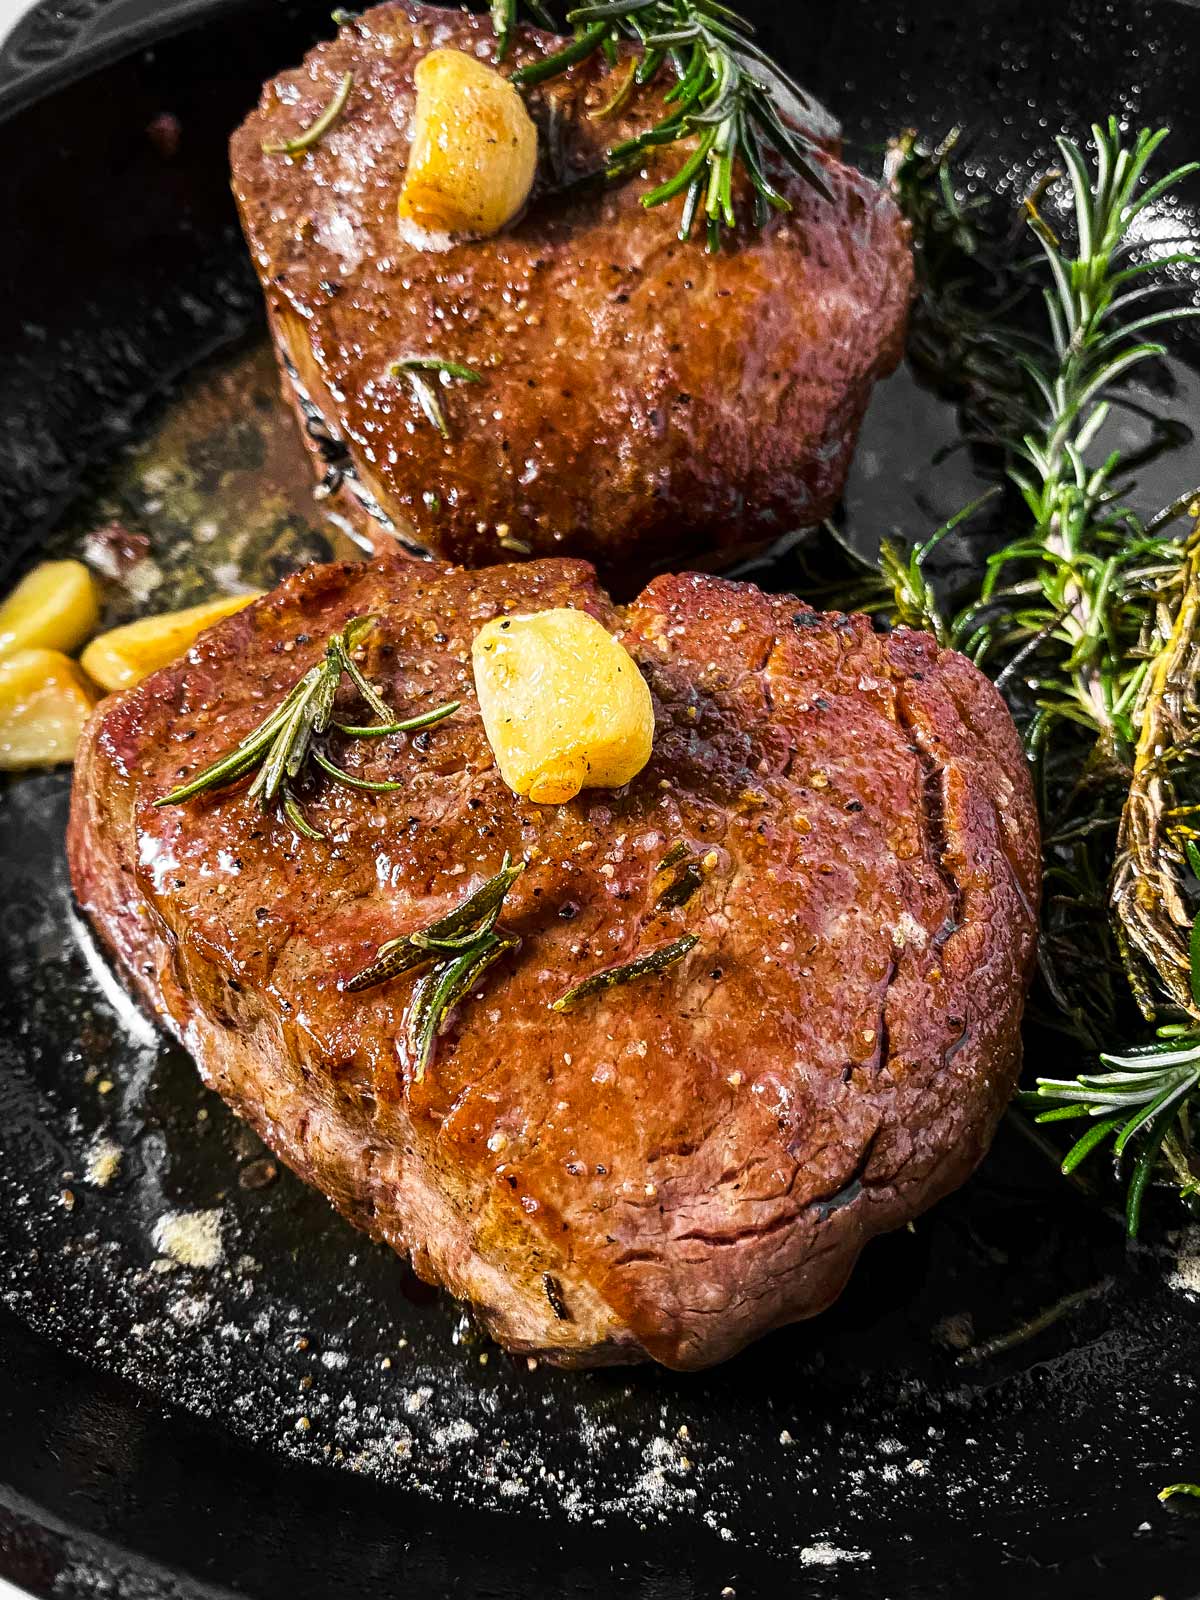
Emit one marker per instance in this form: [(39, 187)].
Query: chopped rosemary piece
[(278, 750), (414, 369), (317, 130), (646, 966), (442, 988), (1179, 1488), (504, 20), (686, 883), (726, 96), (458, 948)]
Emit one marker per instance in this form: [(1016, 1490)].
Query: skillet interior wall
[(119, 268)]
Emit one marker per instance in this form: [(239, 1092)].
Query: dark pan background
[(148, 1422)]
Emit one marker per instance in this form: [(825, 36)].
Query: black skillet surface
[(301, 1417)]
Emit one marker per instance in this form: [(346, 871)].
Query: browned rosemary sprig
[(647, 966), (278, 750), (318, 128), (726, 101), (414, 369), (458, 949)]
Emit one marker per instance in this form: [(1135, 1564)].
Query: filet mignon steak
[(680, 1164), (641, 399)]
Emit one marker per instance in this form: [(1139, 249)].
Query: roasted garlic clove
[(44, 703), (124, 656), (564, 705), (474, 148), (54, 607)]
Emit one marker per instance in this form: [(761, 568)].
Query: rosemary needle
[(380, 730), (443, 988), (469, 922), (647, 966), (317, 129), (458, 949), (414, 369)]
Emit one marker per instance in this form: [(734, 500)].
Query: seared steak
[(642, 401), (676, 1166)]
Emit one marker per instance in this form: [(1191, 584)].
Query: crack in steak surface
[(642, 400), (676, 1166)]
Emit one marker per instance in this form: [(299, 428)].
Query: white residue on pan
[(824, 1554), (103, 1161), (1186, 1275), (189, 1238)]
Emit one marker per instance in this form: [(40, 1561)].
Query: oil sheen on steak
[(677, 1166), (642, 401)]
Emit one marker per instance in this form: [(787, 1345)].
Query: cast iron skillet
[(153, 1435)]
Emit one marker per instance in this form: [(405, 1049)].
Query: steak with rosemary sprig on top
[(677, 1164), (642, 402)]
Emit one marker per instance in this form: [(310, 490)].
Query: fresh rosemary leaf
[(380, 730), (296, 817), (414, 369), (504, 20), (317, 129), (725, 95), (647, 966), (348, 778), (1146, 1099)]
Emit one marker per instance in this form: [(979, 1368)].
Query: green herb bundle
[(1087, 619)]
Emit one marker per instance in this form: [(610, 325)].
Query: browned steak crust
[(697, 1158), (642, 400)]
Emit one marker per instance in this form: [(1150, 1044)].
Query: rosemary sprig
[(1089, 619), (318, 128), (725, 100), (414, 369), (279, 749), (458, 949), (1070, 587), (647, 966), (1142, 1103)]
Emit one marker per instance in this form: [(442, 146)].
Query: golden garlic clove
[(44, 703), (54, 607), (564, 705), (124, 656), (474, 148)]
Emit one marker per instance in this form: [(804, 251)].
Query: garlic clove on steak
[(474, 149), (564, 705)]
